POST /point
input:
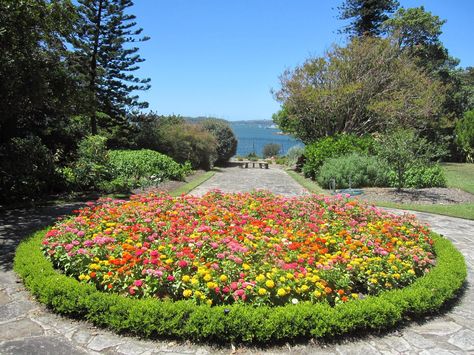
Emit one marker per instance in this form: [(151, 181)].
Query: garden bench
[(263, 165), (244, 164)]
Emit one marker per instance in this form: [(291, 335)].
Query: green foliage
[(404, 150), (294, 154), (189, 142), (144, 167), (26, 169), (465, 135), (368, 86), (271, 150), (252, 156), (91, 169), (420, 177), (185, 320), (106, 58), (354, 169), (225, 137), (332, 147), (366, 17)]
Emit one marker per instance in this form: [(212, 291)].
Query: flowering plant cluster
[(255, 248)]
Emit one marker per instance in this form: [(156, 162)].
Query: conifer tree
[(106, 59), (366, 16)]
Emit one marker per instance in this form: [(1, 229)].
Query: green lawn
[(184, 189), (460, 176)]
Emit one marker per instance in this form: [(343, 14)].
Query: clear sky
[(222, 57)]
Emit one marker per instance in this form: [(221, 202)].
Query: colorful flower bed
[(255, 248)]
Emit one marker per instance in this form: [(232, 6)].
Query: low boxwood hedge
[(240, 323)]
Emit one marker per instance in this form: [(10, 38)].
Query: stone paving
[(26, 327)]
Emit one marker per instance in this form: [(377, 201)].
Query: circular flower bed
[(255, 248)]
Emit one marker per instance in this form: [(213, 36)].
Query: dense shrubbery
[(361, 170), (225, 138), (186, 320), (465, 135), (26, 169), (100, 169), (332, 147), (189, 142), (420, 177), (141, 166), (294, 154)]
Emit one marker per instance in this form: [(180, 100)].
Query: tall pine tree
[(107, 58), (366, 16)]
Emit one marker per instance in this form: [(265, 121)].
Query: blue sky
[(222, 57)]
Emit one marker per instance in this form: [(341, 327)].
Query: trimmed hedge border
[(186, 320)]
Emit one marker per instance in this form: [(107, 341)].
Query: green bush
[(294, 154), (421, 177), (189, 142), (91, 170), (225, 137), (405, 150), (186, 320), (139, 168), (465, 135), (362, 170), (26, 169), (332, 147), (271, 150)]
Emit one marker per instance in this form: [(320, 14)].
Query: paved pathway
[(237, 179), (26, 327)]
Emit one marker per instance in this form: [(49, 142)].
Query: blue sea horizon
[(252, 137)]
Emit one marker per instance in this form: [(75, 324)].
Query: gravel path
[(26, 327)]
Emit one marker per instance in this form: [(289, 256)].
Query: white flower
[(294, 301)]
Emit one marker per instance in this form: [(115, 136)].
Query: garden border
[(241, 323)]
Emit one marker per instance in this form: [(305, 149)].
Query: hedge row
[(241, 323)]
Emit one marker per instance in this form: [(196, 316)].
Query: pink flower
[(182, 263), (138, 283), (170, 278)]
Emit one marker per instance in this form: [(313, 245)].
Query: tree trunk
[(93, 69)]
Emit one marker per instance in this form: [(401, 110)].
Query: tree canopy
[(367, 16), (368, 86)]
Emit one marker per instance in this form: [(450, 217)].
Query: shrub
[(421, 177), (189, 142), (294, 154), (465, 135), (144, 167), (225, 137), (271, 150), (404, 149), (186, 320), (361, 170), (26, 169), (332, 147)]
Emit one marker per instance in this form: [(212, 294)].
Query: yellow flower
[(260, 278), (94, 266), (223, 278), (304, 288), (270, 284), (187, 293), (262, 291), (281, 292), (186, 278), (411, 272), (317, 293), (194, 281), (282, 278), (207, 277), (211, 284), (169, 261), (209, 302), (246, 266)]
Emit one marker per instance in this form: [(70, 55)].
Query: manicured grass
[(460, 176), (462, 210), (185, 189), (308, 184)]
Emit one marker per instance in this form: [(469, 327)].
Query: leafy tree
[(367, 16), (225, 137), (465, 135), (368, 86), (271, 150), (37, 91), (404, 149), (106, 59)]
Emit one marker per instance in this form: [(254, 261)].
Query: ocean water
[(252, 137)]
